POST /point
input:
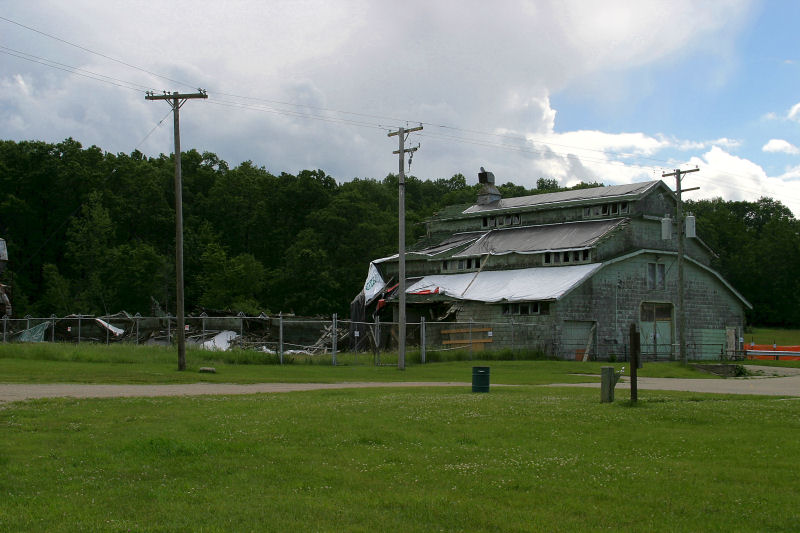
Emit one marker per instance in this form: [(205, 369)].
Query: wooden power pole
[(679, 214), (176, 100), (401, 256)]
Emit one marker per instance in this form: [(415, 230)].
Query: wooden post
[(635, 355), (607, 382), (176, 100), (401, 241)]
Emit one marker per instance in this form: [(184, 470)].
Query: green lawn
[(782, 337), (51, 363), (516, 459)]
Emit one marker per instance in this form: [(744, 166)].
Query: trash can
[(480, 379)]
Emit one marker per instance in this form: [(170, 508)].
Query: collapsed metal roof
[(449, 243), (533, 239), (527, 284), (579, 195)]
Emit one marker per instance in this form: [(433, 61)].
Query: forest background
[(92, 232)]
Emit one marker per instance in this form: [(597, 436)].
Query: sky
[(613, 91)]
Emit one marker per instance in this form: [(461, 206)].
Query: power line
[(149, 133), (89, 50), (309, 115), (73, 70), (312, 116), (236, 105)]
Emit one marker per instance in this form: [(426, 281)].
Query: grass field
[(782, 337), (516, 459), (49, 363), (520, 458)]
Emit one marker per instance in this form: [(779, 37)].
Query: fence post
[(107, 328), (377, 337), (169, 339), (280, 337), (203, 316), (27, 321), (422, 339), (240, 314), (136, 317), (79, 328), (334, 336), (512, 335), (470, 339), (5, 326), (53, 331), (635, 349)]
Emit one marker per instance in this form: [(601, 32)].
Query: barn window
[(444, 264), (623, 207), (547, 258), (656, 276), (614, 209), (527, 308), (604, 209), (515, 219), (586, 255)]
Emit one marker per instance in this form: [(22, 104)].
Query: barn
[(578, 267)]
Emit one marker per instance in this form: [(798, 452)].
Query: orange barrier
[(771, 348), (771, 352)]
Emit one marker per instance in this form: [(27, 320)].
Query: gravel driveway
[(13, 392), (775, 382)]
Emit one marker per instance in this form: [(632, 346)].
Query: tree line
[(93, 232)]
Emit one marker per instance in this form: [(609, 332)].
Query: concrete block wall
[(613, 297)]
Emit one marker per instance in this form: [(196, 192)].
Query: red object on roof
[(426, 291)]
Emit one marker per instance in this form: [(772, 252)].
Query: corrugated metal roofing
[(568, 235), (593, 193), (521, 285), (454, 241)]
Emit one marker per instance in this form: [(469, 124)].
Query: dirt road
[(774, 382), (13, 392)]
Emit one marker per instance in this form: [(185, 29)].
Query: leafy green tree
[(230, 283), (56, 297)]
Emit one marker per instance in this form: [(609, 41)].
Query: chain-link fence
[(289, 336), (606, 351)]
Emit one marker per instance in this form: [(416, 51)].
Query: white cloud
[(780, 146), (735, 178), (483, 67), (794, 113)]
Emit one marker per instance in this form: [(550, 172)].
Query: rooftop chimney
[(488, 193)]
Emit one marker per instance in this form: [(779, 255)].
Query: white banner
[(374, 284)]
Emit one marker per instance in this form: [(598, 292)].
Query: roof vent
[(488, 193)]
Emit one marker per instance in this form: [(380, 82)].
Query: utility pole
[(679, 214), (176, 100), (401, 183)]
